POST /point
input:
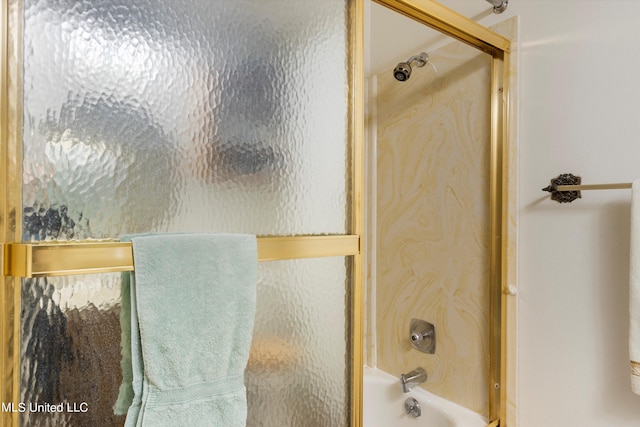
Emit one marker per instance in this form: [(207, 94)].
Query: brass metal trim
[(505, 344), (612, 186), (498, 214), (63, 258), (357, 205), (451, 23), (10, 199), (295, 247)]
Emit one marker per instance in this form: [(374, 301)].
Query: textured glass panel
[(184, 115), (70, 351), (297, 373)]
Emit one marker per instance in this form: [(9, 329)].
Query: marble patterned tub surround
[(433, 135)]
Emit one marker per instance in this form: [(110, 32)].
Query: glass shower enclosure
[(130, 116)]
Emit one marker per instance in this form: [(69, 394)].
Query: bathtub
[(383, 405)]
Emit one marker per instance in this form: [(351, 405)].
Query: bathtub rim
[(454, 410)]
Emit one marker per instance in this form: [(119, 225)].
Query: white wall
[(579, 112)]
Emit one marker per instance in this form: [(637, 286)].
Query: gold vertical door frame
[(10, 216), (356, 47), (463, 29), (499, 238)]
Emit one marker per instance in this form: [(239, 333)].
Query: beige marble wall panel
[(433, 221)]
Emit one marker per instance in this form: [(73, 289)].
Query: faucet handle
[(423, 336), (416, 337)]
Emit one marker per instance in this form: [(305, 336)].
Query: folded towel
[(634, 289), (186, 343)]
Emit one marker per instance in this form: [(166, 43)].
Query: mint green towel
[(187, 321)]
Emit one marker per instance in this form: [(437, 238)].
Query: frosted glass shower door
[(189, 116), (181, 115)]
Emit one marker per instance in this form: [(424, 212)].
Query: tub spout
[(412, 379)]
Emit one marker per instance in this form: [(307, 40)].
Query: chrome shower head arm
[(420, 59)]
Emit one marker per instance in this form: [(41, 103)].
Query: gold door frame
[(10, 216), (19, 260), (463, 29)]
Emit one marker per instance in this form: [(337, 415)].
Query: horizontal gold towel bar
[(67, 258), (566, 187), (615, 186)]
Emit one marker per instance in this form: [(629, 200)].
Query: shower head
[(402, 72), (499, 6)]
